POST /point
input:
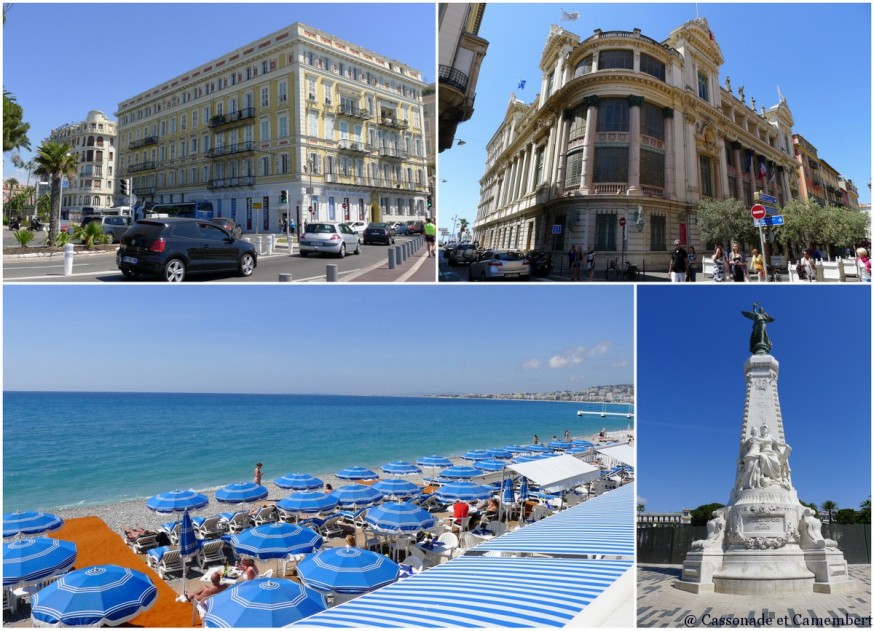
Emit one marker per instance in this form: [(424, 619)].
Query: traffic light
[(283, 197), (429, 202), (122, 186)]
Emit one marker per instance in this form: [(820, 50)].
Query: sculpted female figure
[(760, 344), (750, 475)]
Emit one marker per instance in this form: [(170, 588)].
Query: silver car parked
[(113, 225), (500, 265), (329, 236)]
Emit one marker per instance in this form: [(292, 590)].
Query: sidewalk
[(419, 268)]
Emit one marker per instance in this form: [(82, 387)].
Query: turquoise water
[(69, 449)]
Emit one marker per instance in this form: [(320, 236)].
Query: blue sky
[(691, 349), (63, 60), (819, 55), (379, 340)]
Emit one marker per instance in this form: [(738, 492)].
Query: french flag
[(763, 170)]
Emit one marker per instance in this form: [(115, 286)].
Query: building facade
[(820, 182), (626, 137), (94, 142), (461, 53), (335, 130)]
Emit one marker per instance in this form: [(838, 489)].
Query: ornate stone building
[(93, 141), (629, 128), (819, 181), (339, 127)]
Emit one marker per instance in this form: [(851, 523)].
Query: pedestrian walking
[(571, 259), (430, 232), (738, 263), (679, 264), (757, 262), (806, 267), (590, 261), (720, 265), (863, 263), (693, 262)]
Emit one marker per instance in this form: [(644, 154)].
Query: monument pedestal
[(698, 570), (830, 570), (763, 573)]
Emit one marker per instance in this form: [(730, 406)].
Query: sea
[(73, 449)]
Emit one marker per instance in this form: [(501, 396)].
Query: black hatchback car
[(377, 233), (174, 247)]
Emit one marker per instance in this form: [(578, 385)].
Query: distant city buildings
[(94, 142), (622, 393), (626, 137), (819, 181), (460, 55), (338, 127)]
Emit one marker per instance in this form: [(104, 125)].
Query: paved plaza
[(660, 604)]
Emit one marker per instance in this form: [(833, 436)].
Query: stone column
[(588, 167), (561, 153), (723, 172), (634, 105), (738, 180), (786, 190), (532, 168), (667, 123), (692, 187)]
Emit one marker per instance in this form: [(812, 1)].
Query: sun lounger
[(170, 562), (171, 528), (211, 552), (239, 522), (313, 523), (331, 527), (154, 556), (210, 528), (266, 515), (286, 516)]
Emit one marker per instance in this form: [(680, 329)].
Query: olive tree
[(726, 220)]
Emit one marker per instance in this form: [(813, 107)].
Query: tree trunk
[(55, 215)]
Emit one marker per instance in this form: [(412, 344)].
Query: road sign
[(771, 210), (774, 220), (765, 199), (758, 211), (556, 228), (622, 221)]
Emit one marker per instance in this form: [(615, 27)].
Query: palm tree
[(14, 128), (463, 223), (54, 160), (829, 506), (10, 184)]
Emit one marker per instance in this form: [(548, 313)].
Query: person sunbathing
[(215, 586)]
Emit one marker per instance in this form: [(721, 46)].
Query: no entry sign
[(758, 211), (622, 221)]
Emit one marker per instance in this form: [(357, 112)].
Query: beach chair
[(211, 552), (331, 527), (266, 515), (154, 556), (371, 540), (144, 543), (450, 541), (286, 516), (171, 528), (468, 541), (416, 564), (10, 602), (497, 528), (266, 573), (432, 504), (537, 513), (169, 563), (239, 522), (210, 528)]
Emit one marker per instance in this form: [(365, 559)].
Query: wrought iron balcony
[(233, 117), (148, 140), (231, 182), (391, 121), (240, 147), (392, 152), (353, 111), (452, 77), (144, 190), (354, 147), (142, 166)]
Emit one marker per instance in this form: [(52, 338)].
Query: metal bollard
[(331, 273), (391, 257), (290, 245), (270, 244), (68, 259), (285, 278), (410, 249), (399, 254), (260, 245)]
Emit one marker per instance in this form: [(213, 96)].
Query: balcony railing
[(391, 121), (142, 166), (375, 182), (241, 147), (148, 140), (354, 147), (231, 182), (452, 77), (233, 117), (144, 190), (354, 112), (391, 152), (609, 188)]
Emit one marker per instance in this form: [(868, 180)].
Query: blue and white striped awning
[(601, 526), (481, 592)]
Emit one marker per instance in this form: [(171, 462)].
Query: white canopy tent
[(556, 474), (620, 453)]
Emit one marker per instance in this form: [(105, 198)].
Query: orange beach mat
[(97, 544)]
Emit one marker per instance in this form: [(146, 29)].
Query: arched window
[(90, 142), (584, 67), (99, 141), (578, 123), (95, 201)]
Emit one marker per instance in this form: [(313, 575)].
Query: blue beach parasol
[(30, 560), (276, 540), (515, 449), (299, 482), (573, 451), (398, 517), (29, 523), (176, 501), (560, 444), (537, 448), (523, 490), (263, 603), (500, 454), (490, 465), (308, 502), (434, 461), (400, 467), (582, 443), (460, 472), (476, 454), (99, 595), (394, 487), (463, 490), (356, 495), (357, 473), (347, 571), (241, 492), (188, 546)]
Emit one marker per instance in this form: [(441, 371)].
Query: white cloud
[(599, 349), (571, 357), (531, 364)]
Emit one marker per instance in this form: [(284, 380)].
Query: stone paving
[(659, 604)]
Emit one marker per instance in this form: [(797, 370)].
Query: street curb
[(35, 255)]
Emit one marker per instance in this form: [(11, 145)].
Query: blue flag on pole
[(521, 85)]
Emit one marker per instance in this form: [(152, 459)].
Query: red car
[(415, 227)]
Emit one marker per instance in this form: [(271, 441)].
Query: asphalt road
[(89, 268)]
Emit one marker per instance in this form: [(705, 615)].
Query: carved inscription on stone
[(754, 525)]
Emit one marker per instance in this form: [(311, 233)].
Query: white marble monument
[(764, 541)]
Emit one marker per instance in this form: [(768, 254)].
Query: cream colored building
[(338, 127), (94, 142), (819, 181), (627, 135)]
